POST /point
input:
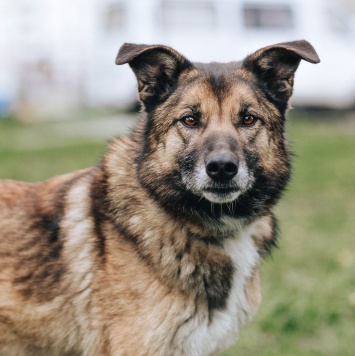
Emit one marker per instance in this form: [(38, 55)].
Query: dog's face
[(214, 133)]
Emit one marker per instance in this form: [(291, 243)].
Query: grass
[(309, 283), (36, 152)]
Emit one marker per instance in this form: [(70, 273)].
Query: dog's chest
[(218, 330)]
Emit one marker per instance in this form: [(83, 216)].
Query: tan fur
[(252, 290)]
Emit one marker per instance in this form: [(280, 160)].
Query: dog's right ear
[(275, 67), (156, 67)]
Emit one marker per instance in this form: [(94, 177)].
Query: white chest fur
[(209, 337)]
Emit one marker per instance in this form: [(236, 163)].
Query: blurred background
[(58, 56), (62, 97)]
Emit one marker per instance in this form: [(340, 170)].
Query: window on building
[(115, 17), (264, 16), (339, 22), (188, 13)]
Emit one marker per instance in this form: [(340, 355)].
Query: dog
[(156, 250)]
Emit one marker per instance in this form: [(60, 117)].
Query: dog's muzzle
[(221, 168)]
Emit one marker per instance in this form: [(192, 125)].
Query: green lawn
[(309, 282)]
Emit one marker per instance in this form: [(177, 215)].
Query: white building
[(57, 55)]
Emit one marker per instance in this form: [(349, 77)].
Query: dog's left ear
[(156, 67), (276, 65)]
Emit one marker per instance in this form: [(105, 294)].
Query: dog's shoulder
[(30, 216)]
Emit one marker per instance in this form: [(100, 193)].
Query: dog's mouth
[(221, 195), (221, 190)]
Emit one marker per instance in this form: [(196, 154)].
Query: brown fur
[(133, 257)]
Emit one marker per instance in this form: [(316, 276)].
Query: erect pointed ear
[(275, 66), (156, 67)]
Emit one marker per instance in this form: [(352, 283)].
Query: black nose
[(222, 166)]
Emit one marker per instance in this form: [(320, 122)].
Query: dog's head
[(214, 133)]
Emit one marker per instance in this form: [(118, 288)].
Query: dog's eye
[(189, 121), (249, 120)]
